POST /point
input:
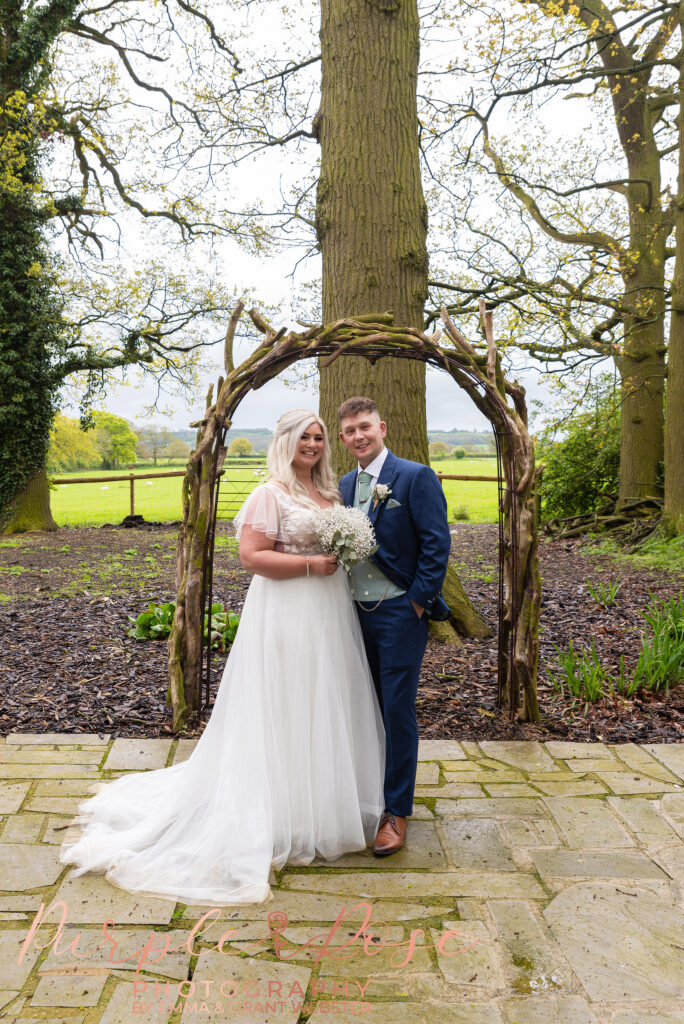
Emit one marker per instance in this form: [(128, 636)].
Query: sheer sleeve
[(261, 512)]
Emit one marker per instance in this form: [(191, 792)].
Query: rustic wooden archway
[(475, 368)]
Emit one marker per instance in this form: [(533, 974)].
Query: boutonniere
[(379, 494)]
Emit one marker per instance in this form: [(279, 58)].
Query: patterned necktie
[(364, 487)]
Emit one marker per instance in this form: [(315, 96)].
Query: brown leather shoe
[(391, 834)]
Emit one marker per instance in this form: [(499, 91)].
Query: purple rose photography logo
[(234, 995)]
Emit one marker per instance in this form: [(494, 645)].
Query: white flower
[(346, 533), (381, 493)]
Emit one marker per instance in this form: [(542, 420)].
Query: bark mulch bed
[(66, 664)]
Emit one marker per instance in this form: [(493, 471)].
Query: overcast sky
[(447, 405), (276, 280)]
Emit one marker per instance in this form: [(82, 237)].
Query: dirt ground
[(66, 664)]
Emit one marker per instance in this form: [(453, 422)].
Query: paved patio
[(559, 868)]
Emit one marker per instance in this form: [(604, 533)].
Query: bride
[(291, 762)]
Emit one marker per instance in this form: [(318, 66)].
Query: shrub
[(438, 449), (458, 453), (581, 469)]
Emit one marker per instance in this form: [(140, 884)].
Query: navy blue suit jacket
[(413, 537)]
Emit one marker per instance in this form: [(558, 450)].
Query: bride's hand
[(323, 565)]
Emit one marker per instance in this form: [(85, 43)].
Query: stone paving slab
[(126, 1005), (59, 739), (622, 944), (650, 1017), (628, 783), (12, 795), (643, 817), (581, 787), (414, 1013), (555, 1010), (422, 850), (670, 754), (138, 754), (595, 864), (93, 952), (559, 865), (482, 885), (48, 771), (36, 754), (587, 824)]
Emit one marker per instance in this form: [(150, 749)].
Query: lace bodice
[(296, 525), (281, 517)]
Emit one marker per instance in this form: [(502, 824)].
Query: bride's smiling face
[(309, 449)]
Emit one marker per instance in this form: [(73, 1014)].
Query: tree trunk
[(371, 216), (674, 405), (31, 510), (371, 222), (642, 361), (184, 645)]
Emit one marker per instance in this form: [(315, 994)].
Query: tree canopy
[(133, 124), (114, 440)]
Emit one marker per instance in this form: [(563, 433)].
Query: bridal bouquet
[(346, 533)]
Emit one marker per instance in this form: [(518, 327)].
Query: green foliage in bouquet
[(155, 624), (346, 533), (344, 546)]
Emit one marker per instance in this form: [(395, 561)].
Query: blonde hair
[(283, 449)]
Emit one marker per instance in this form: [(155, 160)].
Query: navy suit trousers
[(395, 639)]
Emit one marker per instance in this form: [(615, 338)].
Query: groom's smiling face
[(364, 436)]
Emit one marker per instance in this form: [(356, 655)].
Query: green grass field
[(479, 498), (160, 500)]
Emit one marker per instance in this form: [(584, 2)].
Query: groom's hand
[(418, 609)]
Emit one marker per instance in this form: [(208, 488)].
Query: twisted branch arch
[(475, 368)]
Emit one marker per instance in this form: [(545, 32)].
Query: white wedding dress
[(290, 764)]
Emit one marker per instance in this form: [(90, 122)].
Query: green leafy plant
[(229, 544), (582, 674), (223, 626), (580, 450), (460, 513), (604, 594), (156, 622), (660, 663)]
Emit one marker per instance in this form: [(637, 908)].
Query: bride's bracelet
[(308, 569)]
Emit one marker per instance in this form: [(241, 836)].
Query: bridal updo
[(283, 449)]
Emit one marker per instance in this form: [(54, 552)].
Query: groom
[(396, 591)]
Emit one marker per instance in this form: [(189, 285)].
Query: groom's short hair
[(353, 406)]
